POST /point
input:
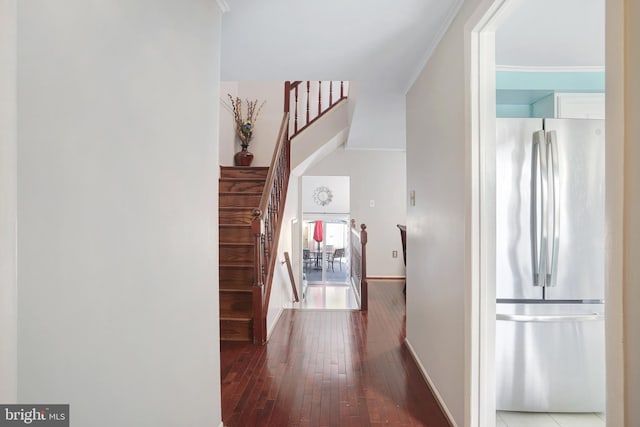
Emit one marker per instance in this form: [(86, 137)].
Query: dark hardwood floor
[(330, 368)]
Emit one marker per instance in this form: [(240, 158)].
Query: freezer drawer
[(550, 358)]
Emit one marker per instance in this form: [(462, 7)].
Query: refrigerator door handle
[(539, 205), (554, 188), (551, 317), (536, 139)]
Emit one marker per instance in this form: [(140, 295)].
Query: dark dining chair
[(306, 257), (337, 254)]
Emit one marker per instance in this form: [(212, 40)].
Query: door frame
[(480, 128)]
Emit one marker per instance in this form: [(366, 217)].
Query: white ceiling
[(382, 46), (364, 40), (553, 33)]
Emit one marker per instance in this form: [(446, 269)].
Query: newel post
[(257, 229), (364, 287)]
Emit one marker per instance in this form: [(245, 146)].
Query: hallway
[(330, 368)]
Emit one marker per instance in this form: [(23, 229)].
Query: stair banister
[(301, 97), (265, 226)]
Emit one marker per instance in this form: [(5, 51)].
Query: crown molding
[(446, 23), (551, 69)]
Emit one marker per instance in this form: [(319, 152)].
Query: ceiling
[(553, 33), (382, 46), (364, 40), (378, 45)]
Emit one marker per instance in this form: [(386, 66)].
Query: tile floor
[(533, 419), (328, 297), (339, 275)]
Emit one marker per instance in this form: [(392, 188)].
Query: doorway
[(325, 242), (482, 101), (326, 263)]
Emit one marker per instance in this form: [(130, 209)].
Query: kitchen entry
[(549, 223)]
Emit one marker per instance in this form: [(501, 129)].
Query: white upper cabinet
[(579, 105)]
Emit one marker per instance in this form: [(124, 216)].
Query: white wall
[(266, 127), (436, 170), (339, 186), (117, 201), (230, 144), (379, 176), (631, 290), (378, 119), (318, 140), (281, 293), (8, 214)]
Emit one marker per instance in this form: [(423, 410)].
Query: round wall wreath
[(322, 196)]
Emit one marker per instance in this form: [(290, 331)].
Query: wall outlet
[(394, 254)]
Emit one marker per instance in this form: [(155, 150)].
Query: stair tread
[(235, 225), (241, 319), (245, 167), (236, 290), (244, 193), (230, 178), (246, 264)]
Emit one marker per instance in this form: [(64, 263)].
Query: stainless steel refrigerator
[(550, 265)]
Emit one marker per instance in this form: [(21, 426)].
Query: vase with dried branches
[(244, 127)]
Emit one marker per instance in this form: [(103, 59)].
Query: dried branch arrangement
[(245, 124)]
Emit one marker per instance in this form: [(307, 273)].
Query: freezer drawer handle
[(551, 318)]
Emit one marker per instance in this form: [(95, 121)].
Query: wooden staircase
[(240, 190), (251, 211)]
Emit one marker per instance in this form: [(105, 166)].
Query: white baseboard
[(221, 424), (275, 322), (433, 388)]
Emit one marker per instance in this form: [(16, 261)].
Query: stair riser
[(236, 254), (236, 277), (243, 200), (236, 234), (250, 186), (259, 173), (235, 216), (236, 304), (236, 330)]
